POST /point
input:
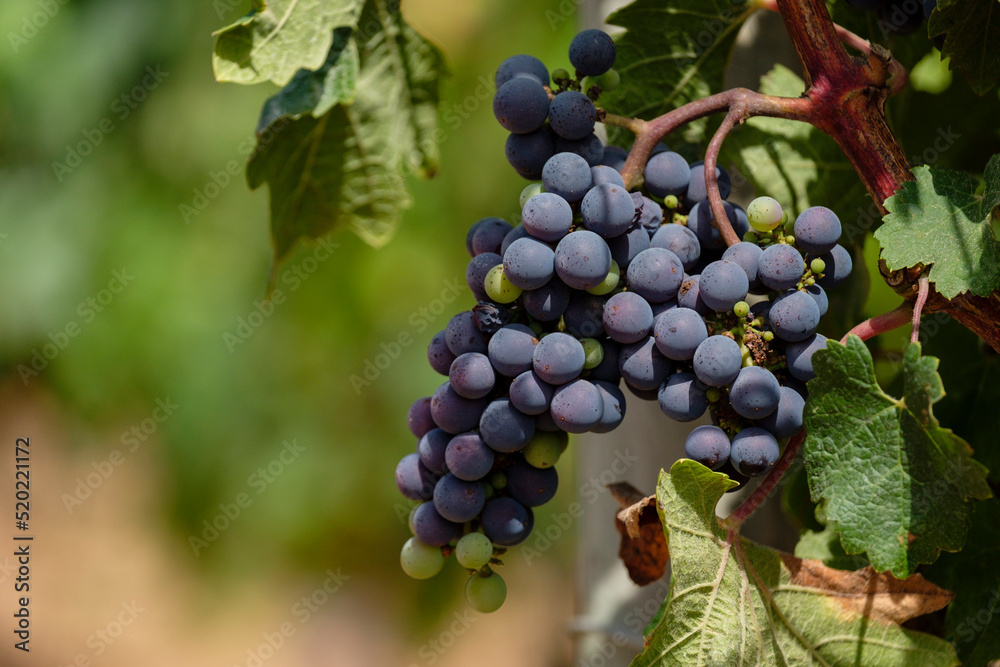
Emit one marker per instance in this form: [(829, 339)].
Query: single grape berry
[(572, 115), (708, 445), (754, 451), (592, 52), (521, 65), (521, 105)]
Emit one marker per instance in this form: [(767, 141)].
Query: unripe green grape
[(764, 214), (768, 336), (671, 201), (789, 239), (817, 265), (751, 237), (593, 353), (488, 490), (713, 394), (486, 594), (560, 75), (741, 309), (498, 286), (609, 283), (474, 551), (498, 480), (544, 449), (530, 191), (606, 82), (420, 560)]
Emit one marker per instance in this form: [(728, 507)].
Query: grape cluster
[(899, 17), (595, 286)]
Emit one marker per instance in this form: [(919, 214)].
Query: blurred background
[(212, 479)]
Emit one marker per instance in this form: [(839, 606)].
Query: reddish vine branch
[(895, 318)]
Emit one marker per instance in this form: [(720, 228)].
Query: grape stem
[(737, 114), (754, 501), (923, 289), (899, 316)]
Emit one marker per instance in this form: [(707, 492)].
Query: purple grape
[(528, 263), (571, 115), (518, 232), (689, 296), (521, 105), (577, 407), (614, 407), (679, 240), (418, 417), (547, 217), (567, 175), (468, 457), (701, 221), (431, 449), (799, 356), (794, 316), (679, 332), (819, 296), (504, 428), (530, 394), (584, 317), (717, 361), (754, 451), (433, 529), (528, 153), (452, 412), (438, 354), (682, 397), (531, 486), (747, 256), (592, 52), (655, 274), (625, 247), (589, 148), (667, 173), (548, 302), (489, 234), (506, 522), (652, 215), (511, 349), (521, 65), (457, 500), (614, 157), (643, 366), (604, 174), (697, 190), (817, 230), (472, 375), (413, 479), (582, 260), (475, 273), (780, 267), (708, 445), (462, 335), (558, 358), (755, 393), (786, 420), (627, 317), (608, 210), (723, 284), (838, 267)]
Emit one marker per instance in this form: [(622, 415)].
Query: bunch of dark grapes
[(897, 17), (598, 286)]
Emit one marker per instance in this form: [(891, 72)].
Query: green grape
[(498, 286), (544, 449), (751, 237), (593, 353), (789, 239), (560, 75), (817, 265), (530, 191), (606, 82), (498, 480), (768, 336), (741, 309), (671, 201), (486, 594), (713, 394), (419, 560), (474, 551), (764, 213), (609, 283)]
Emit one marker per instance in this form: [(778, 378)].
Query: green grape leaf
[(336, 144), (939, 220), (896, 483), (825, 546), (733, 602), (972, 39), (973, 620), (278, 38), (794, 162), (991, 194), (671, 53)]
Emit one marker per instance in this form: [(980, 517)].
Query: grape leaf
[(280, 37), (671, 53), (733, 602), (896, 483), (972, 39), (973, 620), (345, 165), (794, 162), (939, 220), (825, 546)]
